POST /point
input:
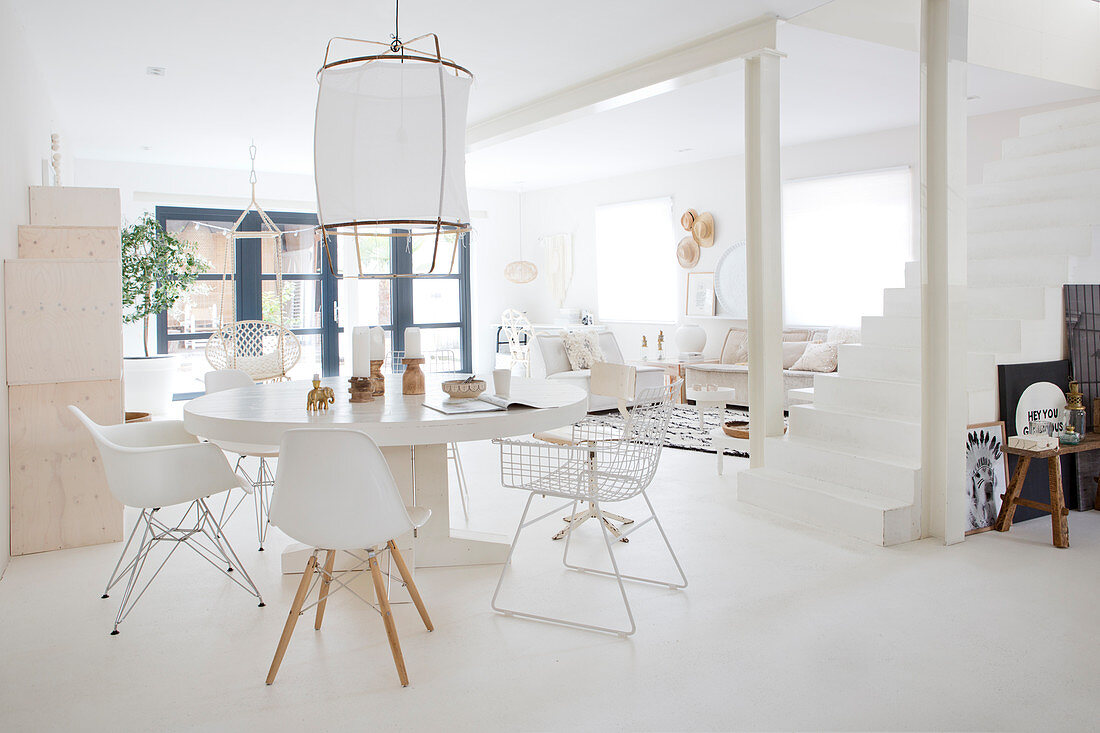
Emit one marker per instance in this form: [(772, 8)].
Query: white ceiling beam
[(649, 77)]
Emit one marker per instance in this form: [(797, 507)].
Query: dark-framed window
[(241, 285)]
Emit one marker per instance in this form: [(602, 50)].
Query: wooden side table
[(1057, 506), (675, 369)]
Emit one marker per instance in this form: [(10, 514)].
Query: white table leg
[(721, 451)]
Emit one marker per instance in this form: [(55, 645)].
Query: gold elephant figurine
[(319, 397)]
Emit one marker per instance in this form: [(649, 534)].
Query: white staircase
[(850, 462)]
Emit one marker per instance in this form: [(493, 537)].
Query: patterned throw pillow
[(582, 348), (817, 358)]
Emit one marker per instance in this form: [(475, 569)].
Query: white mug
[(502, 382)]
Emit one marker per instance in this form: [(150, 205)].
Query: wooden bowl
[(736, 429), (460, 389), (739, 429)]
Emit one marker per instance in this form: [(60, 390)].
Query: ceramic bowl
[(460, 389)]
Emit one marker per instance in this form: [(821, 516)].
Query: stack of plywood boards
[(63, 322)]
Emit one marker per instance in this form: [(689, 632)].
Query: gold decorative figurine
[(319, 397), (660, 345)]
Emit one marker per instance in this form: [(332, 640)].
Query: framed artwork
[(700, 294), (986, 474)]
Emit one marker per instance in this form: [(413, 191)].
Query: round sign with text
[(1041, 401)]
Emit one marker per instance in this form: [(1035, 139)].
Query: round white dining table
[(413, 438)]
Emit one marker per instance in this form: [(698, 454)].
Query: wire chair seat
[(261, 349)]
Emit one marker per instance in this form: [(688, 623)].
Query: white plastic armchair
[(158, 463), (150, 465), (517, 329)]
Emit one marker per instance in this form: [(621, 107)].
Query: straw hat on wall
[(687, 252), (702, 230), (687, 221)]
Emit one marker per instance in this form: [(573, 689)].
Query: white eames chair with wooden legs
[(334, 492), (260, 486), (151, 465), (597, 470)]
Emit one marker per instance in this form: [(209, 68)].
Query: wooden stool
[(1057, 506)]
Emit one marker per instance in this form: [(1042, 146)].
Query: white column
[(764, 251), (944, 410)]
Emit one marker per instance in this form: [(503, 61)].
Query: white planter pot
[(148, 383)]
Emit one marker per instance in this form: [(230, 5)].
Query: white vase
[(690, 338), (148, 383)]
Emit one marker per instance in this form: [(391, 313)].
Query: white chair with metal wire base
[(260, 486), (334, 492), (152, 465), (598, 472)]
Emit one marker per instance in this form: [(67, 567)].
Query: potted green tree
[(157, 269)]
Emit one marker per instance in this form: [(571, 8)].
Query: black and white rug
[(684, 432)]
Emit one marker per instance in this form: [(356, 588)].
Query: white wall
[(716, 186), (27, 118)]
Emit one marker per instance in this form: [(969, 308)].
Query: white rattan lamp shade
[(387, 135), (521, 271)]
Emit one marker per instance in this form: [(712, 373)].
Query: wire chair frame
[(609, 468)]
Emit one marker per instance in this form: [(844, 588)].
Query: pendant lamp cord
[(396, 44)]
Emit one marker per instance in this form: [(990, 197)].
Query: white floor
[(782, 627)]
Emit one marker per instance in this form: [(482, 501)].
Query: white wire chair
[(261, 349), (599, 470), (517, 329)]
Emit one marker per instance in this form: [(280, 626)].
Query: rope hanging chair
[(261, 349)]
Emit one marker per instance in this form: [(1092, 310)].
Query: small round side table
[(711, 398)]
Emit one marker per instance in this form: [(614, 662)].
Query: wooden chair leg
[(411, 584), (387, 619), (1008, 501), (322, 591), (292, 619), (1058, 512)]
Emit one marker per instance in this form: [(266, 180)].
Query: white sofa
[(548, 359), (733, 371)]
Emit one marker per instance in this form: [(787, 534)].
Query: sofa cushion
[(792, 352), (717, 368), (817, 358), (552, 351), (735, 347), (582, 348), (841, 335)]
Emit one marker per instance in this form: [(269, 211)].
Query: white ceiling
[(246, 69), (243, 69), (832, 86)]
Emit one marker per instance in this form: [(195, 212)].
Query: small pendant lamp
[(521, 271)]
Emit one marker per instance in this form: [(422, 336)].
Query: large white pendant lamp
[(389, 143)]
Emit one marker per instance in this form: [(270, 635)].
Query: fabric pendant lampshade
[(390, 144)]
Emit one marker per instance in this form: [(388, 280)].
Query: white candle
[(377, 344), (360, 351), (412, 343)]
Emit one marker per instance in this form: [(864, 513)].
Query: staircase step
[(97, 243), (1014, 217), (1069, 138), (868, 396), (1058, 240), (891, 363), (858, 432), (912, 274), (800, 396), (1059, 119), (1022, 302), (1041, 269), (1036, 166), (874, 519), (1072, 185), (992, 336), (871, 474)]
